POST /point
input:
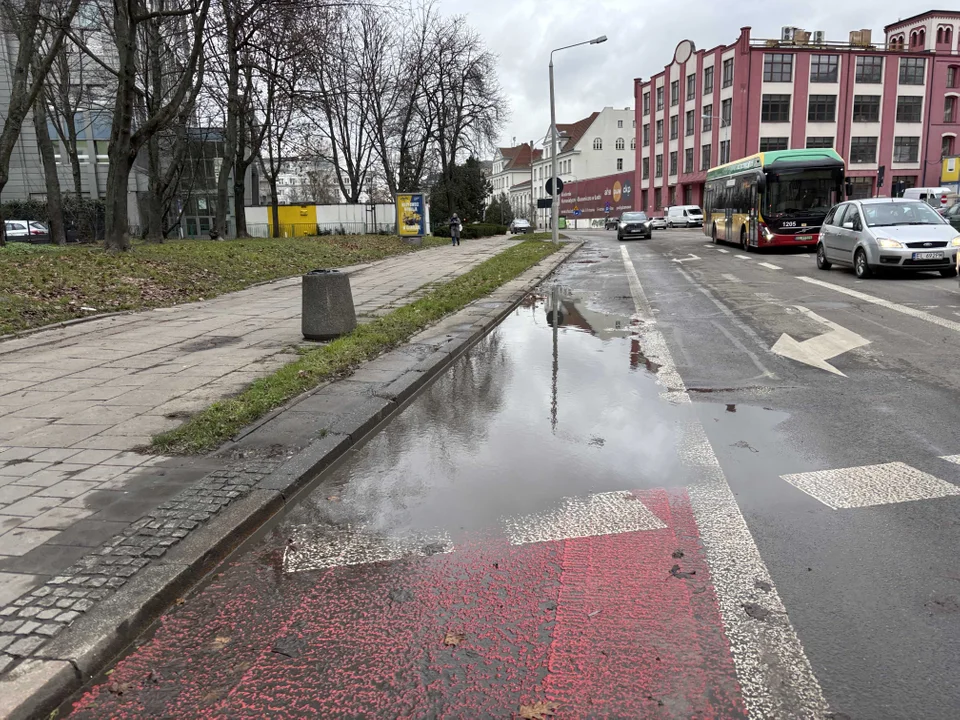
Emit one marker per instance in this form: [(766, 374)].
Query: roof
[(928, 13), (573, 132), (518, 156), (520, 185)]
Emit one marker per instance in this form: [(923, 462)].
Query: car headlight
[(888, 243), (955, 242), (623, 225)]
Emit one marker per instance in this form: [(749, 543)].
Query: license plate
[(928, 256), (803, 237)]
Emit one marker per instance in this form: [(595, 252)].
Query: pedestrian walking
[(455, 229)]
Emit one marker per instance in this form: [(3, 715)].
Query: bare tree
[(31, 21), (50, 177)]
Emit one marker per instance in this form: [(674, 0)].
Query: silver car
[(882, 233)]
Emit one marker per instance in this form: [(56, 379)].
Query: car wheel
[(860, 267), (713, 234), (619, 237), (950, 272), (822, 261)]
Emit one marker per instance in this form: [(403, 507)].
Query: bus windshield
[(804, 191)]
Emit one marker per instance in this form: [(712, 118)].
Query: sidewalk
[(75, 401)]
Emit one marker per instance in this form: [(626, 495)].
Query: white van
[(684, 216), (935, 197)]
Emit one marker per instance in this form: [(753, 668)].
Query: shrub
[(83, 218)]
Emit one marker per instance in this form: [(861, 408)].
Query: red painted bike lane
[(612, 626)]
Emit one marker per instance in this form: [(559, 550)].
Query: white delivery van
[(935, 197), (684, 216)]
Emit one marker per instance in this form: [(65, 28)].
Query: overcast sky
[(640, 42)]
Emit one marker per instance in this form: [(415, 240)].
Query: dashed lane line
[(771, 266), (871, 485), (766, 654), (731, 278), (912, 312), (722, 250), (744, 257)]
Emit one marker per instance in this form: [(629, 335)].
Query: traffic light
[(880, 173)]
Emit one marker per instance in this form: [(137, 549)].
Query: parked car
[(658, 223), (952, 215), (611, 223), (25, 230), (634, 225), (684, 216), (519, 225), (883, 233)]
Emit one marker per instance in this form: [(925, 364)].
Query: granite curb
[(74, 657)]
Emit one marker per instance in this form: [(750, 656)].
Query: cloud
[(641, 41)]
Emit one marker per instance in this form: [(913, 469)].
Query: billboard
[(593, 197), (411, 215)]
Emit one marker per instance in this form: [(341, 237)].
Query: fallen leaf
[(220, 642), (180, 601), (333, 498), (539, 710), (453, 639), (117, 688)]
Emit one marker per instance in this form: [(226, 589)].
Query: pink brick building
[(894, 103)]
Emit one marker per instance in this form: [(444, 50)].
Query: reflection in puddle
[(528, 416)]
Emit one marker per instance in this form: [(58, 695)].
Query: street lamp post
[(555, 195)]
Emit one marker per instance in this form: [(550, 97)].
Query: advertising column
[(411, 217)]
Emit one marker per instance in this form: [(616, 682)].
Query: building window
[(657, 203), (906, 149), (819, 142), (659, 131), (909, 108), (777, 67), (634, 123), (774, 108), (658, 167), (691, 87), (862, 188), (646, 135), (912, 71), (659, 98), (674, 123), (687, 195), (633, 143), (724, 151), (866, 108), (822, 108), (619, 144), (772, 143), (645, 167), (869, 69), (953, 74), (646, 103), (619, 123), (708, 80), (643, 199), (707, 118), (705, 155), (949, 109), (726, 112), (673, 195), (674, 92), (597, 144), (863, 150), (904, 181), (673, 163), (946, 146), (688, 160), (728, 72), (824, 68), (690, 125), (619, 163)]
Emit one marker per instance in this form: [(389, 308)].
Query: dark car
[(952, 215), (611, 223), (634, 225)]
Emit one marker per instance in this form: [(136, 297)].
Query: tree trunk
[(155, 192), (275, 207), (72, 141), (117, 233), (239, 211), (52, 182)]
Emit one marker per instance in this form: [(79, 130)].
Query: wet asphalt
[(530, 416)]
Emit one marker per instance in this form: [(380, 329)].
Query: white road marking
[(609, 513), (722, 250), (770, 266), (313, 549), (775, 676), (871, 485), (710, 245), (731, 278), (686, 259), (817, 350), (955, 459), (744, 257), (912, 312)]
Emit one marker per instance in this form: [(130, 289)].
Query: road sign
[(550, 186), (576, 210), (606, 208), (544, 203)]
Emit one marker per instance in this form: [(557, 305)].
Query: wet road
[(662, 510)]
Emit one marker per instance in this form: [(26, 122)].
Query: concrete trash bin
[(328, 310)]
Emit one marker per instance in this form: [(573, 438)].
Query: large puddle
[(526, 418)]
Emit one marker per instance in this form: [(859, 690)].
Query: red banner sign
[(598, 197)]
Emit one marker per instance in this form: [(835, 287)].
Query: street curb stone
[(90, 643)]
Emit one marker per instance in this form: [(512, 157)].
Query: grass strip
[(218, 423), (44, 284)]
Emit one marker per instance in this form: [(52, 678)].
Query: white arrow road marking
[(318, 549), (817, 350), (609, 513), (771, 266), (686, 259)]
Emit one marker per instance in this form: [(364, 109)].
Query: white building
[(510, 174), (300, 181)]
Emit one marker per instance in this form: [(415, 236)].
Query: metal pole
[(533, 204), (555, 302), (555, 204)]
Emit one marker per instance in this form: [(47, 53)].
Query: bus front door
[(728, 224)]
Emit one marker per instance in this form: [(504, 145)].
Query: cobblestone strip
[(29, 622)]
